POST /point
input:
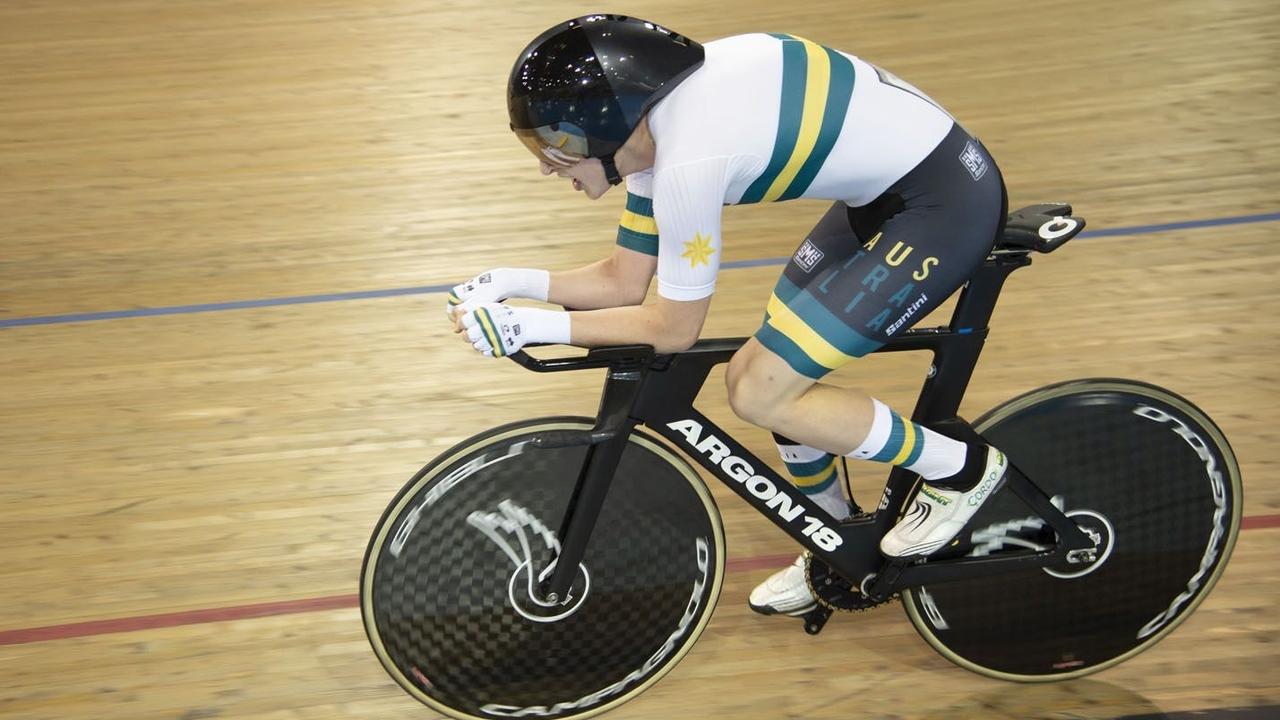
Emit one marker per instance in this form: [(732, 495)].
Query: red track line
[(175, 619), (334, 602), (1257, 522)]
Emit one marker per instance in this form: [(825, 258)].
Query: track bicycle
[(559, 566)]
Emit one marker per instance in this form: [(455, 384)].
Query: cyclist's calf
[(767, 392)]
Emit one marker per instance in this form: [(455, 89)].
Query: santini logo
[(759, 487), (808, 256), (973, 160)]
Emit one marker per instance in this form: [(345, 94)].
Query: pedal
[(885, 580), (833, 591), (833, 594), (816, 619)]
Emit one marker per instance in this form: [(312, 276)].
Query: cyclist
[(917, 203)]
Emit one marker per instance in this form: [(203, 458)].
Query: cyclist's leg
[(810, 469), (773, 380), (923, 239)]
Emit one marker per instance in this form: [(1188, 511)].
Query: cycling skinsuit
[(918, 201)]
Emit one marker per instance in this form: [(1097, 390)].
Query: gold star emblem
[(698, 250)]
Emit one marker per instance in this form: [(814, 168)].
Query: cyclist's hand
[(497, 285), (497, 330)]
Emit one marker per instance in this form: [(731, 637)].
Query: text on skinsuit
[(873, 279), (808, 256), (919, 303), (1219, 531), (759, 487), (973, 161)]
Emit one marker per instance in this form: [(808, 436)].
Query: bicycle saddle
[(1042, 228)]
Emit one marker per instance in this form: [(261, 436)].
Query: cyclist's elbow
[(675, 342), (679, 323), (630, 274), (678, 336), (633, 295)]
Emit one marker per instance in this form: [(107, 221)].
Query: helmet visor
[(561, 144)]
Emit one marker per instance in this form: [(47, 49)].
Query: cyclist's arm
[(667, 325), (621, 279), (681, 245)]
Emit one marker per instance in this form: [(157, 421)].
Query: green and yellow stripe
[(906, 442), (815, 346), (813, 477), (490, 332), (637, 230), (817, 85), (812, 339)]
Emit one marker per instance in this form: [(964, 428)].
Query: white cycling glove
[(497, 330), (497, 285)]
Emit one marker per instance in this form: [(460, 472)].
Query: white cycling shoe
[(937, 515), (786, 592)]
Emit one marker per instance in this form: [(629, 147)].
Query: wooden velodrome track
[(187, 491)]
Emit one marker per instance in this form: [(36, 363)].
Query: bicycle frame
[(659, 392)]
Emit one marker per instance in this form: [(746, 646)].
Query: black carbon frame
[(659, 391)]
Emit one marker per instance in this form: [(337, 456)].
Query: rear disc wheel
[(1147, 476)]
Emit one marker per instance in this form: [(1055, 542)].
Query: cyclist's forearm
[(632, 325), (667, 327), (602, 284)]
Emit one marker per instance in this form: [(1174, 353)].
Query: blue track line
[(429, 289)]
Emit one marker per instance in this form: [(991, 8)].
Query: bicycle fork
[(605, 443)]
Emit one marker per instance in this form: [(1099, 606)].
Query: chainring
[(833, 591)]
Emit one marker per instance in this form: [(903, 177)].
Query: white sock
[(902, 442)]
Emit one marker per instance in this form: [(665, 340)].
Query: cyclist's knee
[(745, 396), (759, 390)]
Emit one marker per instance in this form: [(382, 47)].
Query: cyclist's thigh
[(811, 340), (857, 281)]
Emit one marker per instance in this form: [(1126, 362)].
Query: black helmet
[(581, 87)]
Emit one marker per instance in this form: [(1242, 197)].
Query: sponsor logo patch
[(808, 256), (897, 324), (934, 496), (973, 160)]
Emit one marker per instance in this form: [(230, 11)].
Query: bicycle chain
[(834, 592)]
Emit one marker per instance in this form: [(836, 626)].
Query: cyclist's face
[(587, 176)]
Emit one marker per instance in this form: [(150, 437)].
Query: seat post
[(955, 353), (978, 299)]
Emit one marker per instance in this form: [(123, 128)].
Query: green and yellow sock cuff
[(906, 441), (820, 483), (815, 469)]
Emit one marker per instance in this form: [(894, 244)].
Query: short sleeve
[(637, 230), (687, 201)]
